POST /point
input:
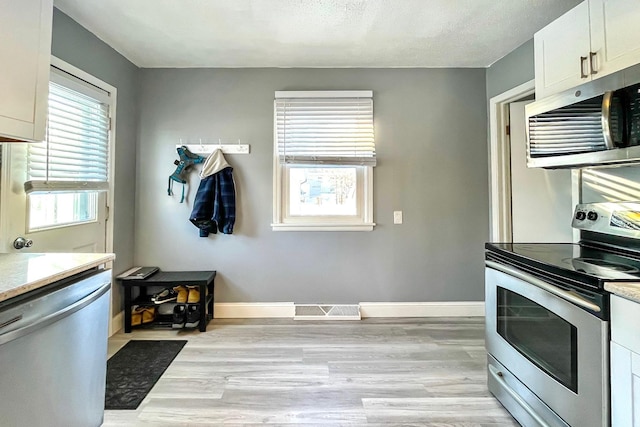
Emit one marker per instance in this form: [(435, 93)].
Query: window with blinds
[(324, 128), (75, 154), (67, 172), (324, 152)]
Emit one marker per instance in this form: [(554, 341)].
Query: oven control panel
[(618, 218)]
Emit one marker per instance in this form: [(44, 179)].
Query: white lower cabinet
[(625, 387), (625, 363)]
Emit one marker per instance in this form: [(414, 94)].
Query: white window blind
[(325, 128), (74, 156)]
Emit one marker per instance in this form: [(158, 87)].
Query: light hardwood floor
[(374, 372)]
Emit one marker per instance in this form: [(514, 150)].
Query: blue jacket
[(214, 207)]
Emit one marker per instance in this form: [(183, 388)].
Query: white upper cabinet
[(562, 52), (595, 38), (25, 54), (615, 35)]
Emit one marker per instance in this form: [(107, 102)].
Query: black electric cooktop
[(575, 264)]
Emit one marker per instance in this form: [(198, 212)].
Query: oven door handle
[(571, 297), (498, 376)]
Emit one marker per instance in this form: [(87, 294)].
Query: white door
[(65, 209), (541, 204), (615, 34), (90, 211)]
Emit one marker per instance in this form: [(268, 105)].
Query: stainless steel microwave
[(595, 124)]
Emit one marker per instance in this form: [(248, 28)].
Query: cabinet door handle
[(583, 60), (592, 62)]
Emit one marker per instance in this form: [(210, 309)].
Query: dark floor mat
[(135, 368)]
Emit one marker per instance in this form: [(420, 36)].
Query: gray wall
[(512, 70), (75, 45), (431, 141)]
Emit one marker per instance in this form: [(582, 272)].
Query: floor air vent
[(327, 312)]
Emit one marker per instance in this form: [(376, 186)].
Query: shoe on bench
[(194, 295), (183, 293), (166, 295), (193, 316), (179, 316), (142, 315)]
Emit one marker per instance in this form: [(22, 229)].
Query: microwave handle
[(606, 120), (568, 296)]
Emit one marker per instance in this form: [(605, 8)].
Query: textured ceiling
[(314, 33)]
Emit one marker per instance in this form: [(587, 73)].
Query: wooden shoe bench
[(169, 279)]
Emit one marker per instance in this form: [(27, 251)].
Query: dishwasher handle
[(54, 317)]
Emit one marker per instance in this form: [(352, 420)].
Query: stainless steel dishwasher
[(53, 354)]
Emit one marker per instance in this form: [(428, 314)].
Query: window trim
[(358, 218), (361, 222), (281, 222)]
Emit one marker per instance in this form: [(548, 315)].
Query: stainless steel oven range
[(547, 317)]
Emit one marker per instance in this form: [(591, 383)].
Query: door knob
[(21, 242)]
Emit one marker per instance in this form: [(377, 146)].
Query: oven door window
[(541, 336)]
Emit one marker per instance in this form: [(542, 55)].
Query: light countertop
[(630, 290), (21, 273)]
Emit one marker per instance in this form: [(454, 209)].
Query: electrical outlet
[(397, 217)]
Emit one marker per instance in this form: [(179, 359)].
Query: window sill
[(323, 227)]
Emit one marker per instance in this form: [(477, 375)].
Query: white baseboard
[(422, 309), (245, 310), (116, 324)]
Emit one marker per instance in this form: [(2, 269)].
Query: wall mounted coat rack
[(203, 148)]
